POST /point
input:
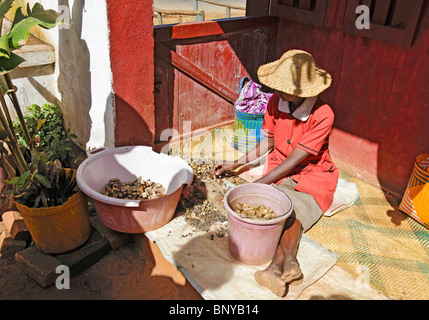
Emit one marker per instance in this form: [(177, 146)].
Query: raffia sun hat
[(295, 73)]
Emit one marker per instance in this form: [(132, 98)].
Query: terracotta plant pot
[(59, 229)]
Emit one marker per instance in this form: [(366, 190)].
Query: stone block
[(87, 255), (39, 266), (116, 239), (9, 246), (2, 226), (15, 223)]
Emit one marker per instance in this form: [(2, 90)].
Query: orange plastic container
[(59, 229), (250, 241), (415, 201)]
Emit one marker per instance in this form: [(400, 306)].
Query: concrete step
[(35, 52)]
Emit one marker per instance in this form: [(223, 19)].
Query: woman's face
[(286, 97)]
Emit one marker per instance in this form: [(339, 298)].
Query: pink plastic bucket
[(128, 164), (252, 241)]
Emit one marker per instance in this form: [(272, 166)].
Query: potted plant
[(54, 209), (45, 193)]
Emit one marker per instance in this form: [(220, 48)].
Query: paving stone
[(15, 223), (9, 246), (2, 226), (116, 239), (39, 266), (87, 255)]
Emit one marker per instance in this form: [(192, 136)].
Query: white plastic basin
[(128, 164)]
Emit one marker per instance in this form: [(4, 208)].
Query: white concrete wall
[(81, 79)]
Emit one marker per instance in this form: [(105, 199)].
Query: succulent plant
[(46, 184)]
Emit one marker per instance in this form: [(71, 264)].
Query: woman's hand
[(282, 170), (221, 168)]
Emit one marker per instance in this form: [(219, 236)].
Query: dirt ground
[(128, 273)]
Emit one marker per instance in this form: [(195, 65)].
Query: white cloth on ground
[(208, 266)]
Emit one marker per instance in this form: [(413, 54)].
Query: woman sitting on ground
[(296, 127)]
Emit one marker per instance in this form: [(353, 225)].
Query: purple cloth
[(251, 99)]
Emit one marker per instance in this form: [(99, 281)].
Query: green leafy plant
[(46, 184), (46, 123), (19, 159)]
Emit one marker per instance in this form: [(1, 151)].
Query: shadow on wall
[(131, 128), (74, 80)]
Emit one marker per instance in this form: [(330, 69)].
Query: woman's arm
[(263, 147), (296, 157)]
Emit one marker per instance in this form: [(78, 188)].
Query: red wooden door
[(198, 68)]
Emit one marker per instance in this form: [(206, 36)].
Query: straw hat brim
[(284, 83)]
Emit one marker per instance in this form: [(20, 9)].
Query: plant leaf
[(34, 159), (22, 179), (43, 180), (44, 199), (13, 181), (4, 46), (40, 123), (5, 6), (22, 23), (37, 201), (8, 64)]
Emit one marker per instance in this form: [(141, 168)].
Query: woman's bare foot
[(292, 273), (271, 279)]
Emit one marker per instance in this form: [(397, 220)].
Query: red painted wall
[(380, 95), (132, 63)]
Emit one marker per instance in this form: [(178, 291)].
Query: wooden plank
[(273, 37), (413, 19), (288, 3), (340, 13), (209, 28), (296, 14), (330, 14), (384, 33), (367, 3), (381, 10), (320, 11), (257, 7), (273, 7), (401, 13), (196, 73), (305, 4), (349, 24)]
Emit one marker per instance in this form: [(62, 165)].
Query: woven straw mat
[(375, 240)]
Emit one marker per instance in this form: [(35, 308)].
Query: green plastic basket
[(247, 130)]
